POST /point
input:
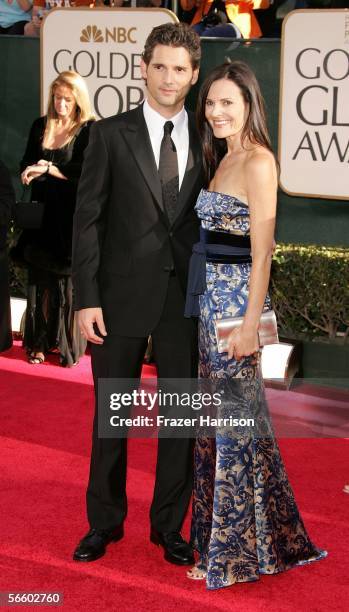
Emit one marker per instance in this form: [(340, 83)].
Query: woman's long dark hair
[(255, 128)]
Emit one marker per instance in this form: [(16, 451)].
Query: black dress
[(49, 321)]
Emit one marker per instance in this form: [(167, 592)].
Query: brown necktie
[(168, 172)]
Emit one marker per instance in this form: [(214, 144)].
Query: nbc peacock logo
[(91, 34)]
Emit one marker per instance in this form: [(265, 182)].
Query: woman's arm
[(33, 151), (72, 169), (262, 197), (47, 167), (29, 164)]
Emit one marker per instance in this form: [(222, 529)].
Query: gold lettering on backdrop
[(120, 35)]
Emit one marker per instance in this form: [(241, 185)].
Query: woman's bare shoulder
[(259, 160), (257, 153)]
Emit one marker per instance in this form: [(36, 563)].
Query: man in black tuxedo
[(133, 233)]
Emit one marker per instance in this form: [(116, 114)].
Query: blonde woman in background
[(52, 165)]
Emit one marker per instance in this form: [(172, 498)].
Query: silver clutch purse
[(267, 331)]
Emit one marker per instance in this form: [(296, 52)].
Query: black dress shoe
[(177, 550), (93, 545)]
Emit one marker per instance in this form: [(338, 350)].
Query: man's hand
[(86, 318)]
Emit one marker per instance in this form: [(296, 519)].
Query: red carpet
[(44, 454)]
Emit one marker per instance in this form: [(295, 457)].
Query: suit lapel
[(137, 138), (193, 167)]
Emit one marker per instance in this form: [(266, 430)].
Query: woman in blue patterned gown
[(245, 519)]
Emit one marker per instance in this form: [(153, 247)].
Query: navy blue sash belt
[(215, 247)]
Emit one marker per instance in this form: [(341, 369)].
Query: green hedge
[(310, 290), (309, 286)]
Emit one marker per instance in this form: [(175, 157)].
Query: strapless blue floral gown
[(245, 519)]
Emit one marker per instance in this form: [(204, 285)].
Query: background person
[(239, 13), (14, 15), (52, 165), (42, 7), (7, 200), (245, 519)]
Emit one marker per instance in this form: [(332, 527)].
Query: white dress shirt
[(180, 135)]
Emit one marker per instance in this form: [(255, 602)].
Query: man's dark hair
[(174, 35)]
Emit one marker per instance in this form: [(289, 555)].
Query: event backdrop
[(301, 220), (104, 46), (314, 110)]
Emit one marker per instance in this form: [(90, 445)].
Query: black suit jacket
[(123, 245)]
